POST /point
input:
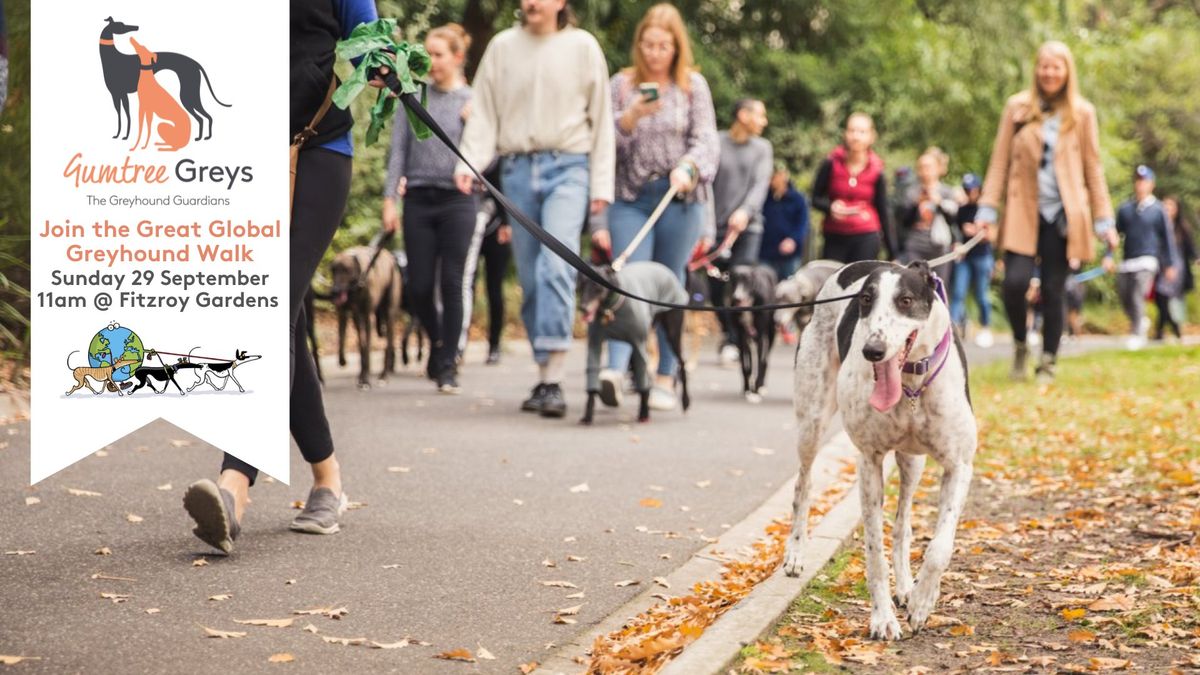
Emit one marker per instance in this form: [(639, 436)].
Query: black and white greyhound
[(863, 356), (224, 371), (121, 72)]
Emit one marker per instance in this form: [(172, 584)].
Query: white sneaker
[(610, 387), (729, 355), (984, 339), (1033, 339), (662, 399), (1135, 343)]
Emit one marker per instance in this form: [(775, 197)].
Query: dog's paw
[(586, 421), (793, 560), (753, 397), (901, 597), (920, 605), (885, 625), (364, 386), (342, 361)]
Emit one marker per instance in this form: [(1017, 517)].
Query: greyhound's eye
[(865, 299)]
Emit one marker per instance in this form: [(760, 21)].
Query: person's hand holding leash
[(465, 183), (391, 215), (504, 234), (683, 177), (602, 240), (739, 221)]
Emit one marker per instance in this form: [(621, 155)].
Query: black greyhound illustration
[(121, 72)]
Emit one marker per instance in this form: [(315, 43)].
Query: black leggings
[(848, 248), (438, 227), (496, 256), (1164, 316), (1018, 270), (322, 186)]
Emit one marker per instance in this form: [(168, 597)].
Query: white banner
[(159, 226)]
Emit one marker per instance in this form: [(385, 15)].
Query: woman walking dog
[(439, 221), (666, 138), (322, 186), (1046, 170)]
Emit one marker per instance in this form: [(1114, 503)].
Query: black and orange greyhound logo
[(126, 74)]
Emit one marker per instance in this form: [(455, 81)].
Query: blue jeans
[(784, 268), (669, 242), (552, 188), (974, 273)]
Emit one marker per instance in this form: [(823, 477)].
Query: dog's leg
[(815, 373), (389, 353), (362, 324), (235, 381), (644, 405), (956, 481), (342, 317), (761, 345), (911, 467), (589, 411), (673, 322), (641, 376), (884, 624)]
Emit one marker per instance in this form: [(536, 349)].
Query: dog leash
[(1088, 275), (191, 356), (377, 247), (960, 252), (560, 249), (707, 260), (658, 211)]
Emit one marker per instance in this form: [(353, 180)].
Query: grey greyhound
[(121, 73)]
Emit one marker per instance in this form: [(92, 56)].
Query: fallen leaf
[(117, 598), (354, 506), (84, 493), (272, 623), (391, 645), (165, 487), (220, 598), (575, 558), (519, 502), (347, 642), (549, 563), (485, 654), (1120, 603), (30, 501), (559, 618), (703, 483), (398, 469), (133, 518), (456, 655), (575, 596), (392, 566), (527, 668), (282, 657), (1105, 663), (298, 504), (310, 629), (764, 451), (570, 611), (290, 582), (14, 660), (568, 540), (662, 582), (153, 610), (559, 584), (627, 582), (98, 575), (331, 612), (651, 503), (19, 552), (582, 487), (962, 630), (1073, 614), (1081, 636), (180, 443), (212, 633), (198, 562)]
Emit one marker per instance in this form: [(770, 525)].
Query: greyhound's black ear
[(109, 19), (922, 268)]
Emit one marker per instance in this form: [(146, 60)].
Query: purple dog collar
[(940, 353)]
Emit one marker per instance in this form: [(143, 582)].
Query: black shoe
[(447, 382), (536, 398), (553, 403), (493, 356)]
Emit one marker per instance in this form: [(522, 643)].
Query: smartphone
[(649, 91)]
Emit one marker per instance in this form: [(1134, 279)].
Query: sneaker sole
[(554, 413), (203, 502), (610, 395), (453, 391), (314, 528)]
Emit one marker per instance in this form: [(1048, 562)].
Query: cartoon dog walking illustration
[(122, 74), (153, 100), (102, 375), (223, 371)]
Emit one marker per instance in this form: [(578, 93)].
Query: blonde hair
[(665, 16), (455, 37), (940, 155), (1067, 101), (864, 116)]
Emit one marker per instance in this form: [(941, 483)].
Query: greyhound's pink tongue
[(887, 383)]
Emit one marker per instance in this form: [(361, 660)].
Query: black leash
[(560, 249)]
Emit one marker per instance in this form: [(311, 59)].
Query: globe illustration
[(113, 343)]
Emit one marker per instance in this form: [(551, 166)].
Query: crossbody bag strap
[(301, 138)]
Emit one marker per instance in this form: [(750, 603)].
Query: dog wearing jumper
[(802, 286), (753, 332), (176, 129), (611, 316), (362, 297), (889, 361)]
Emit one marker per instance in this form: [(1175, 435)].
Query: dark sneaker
[(1045, 369), (448, 382), (536, 397), (321, 511), (493, 356), (213, 510), (553, 403)]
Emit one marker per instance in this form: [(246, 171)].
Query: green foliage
[(14, 195)]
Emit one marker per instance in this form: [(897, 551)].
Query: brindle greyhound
[(121, 72), (102, 374)]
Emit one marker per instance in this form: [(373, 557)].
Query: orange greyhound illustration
[(176, 129)]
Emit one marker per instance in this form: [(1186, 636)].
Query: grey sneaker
[(1045, 369), (1019, 371), (321, 511), (213, 510)]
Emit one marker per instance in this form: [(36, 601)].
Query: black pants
[(743, 252), (1164, 317), (848, 248), (496, 257), (322, 186), (438, 226), (1018, 270)]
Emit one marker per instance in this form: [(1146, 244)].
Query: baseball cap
[(971, 182), (1143, 172)]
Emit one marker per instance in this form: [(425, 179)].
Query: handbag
[(306, 133)]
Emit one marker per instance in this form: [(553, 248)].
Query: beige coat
[(1012, 179)]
